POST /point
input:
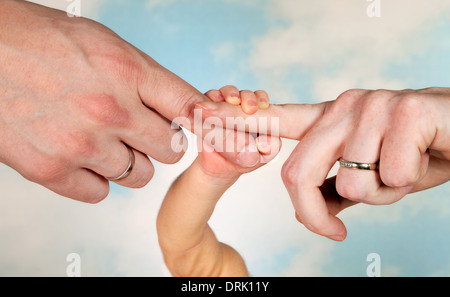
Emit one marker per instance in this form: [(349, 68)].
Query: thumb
[(290, 121), (174, 99), (168, 94)]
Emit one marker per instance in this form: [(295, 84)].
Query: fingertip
[(233, 100), (250, 108), (268, 144), (249, 156), (249, 102), (231, 95), (215, 96), (297, 217), (338, 237), (321, 222), (334, 229), (263, 100), (263, 145), (263, 105)]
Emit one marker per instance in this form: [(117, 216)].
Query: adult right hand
[(74, 96)]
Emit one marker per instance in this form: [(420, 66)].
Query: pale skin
[(407, 132), (189, 245), (73, 94)]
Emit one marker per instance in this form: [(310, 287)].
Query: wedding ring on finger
[(130, 167), (359, 166)]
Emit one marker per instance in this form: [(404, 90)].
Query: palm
[(213, 163)]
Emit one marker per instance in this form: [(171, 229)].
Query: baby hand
[(267, 146), (250, 101)]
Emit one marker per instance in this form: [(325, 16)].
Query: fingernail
[(234, 100), (263, 104), (337, 237), (207, 105), (249, 157), (263, 145)]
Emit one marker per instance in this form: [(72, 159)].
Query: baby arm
[(189, 246)]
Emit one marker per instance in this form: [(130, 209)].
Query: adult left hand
[(405, 134)]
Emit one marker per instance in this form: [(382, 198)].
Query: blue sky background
[(182, 36), (300, 52)]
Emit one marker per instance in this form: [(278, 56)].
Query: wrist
[(215, 179)]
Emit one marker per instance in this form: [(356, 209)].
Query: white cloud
[(118, 236), (114, 238), (223, 51), (319, 35)]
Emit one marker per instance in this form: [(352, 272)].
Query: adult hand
[(407, 132), (74, 96)]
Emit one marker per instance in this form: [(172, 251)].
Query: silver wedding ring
[(359, 166), (129, 168)]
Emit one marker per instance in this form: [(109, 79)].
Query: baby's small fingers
[(263, 99), (269, 147), (249, 102), (215, 96), (231, 95)]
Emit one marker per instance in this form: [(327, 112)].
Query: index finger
[(290, 121), (304, 175)]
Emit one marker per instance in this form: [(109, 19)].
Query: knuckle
[(290, 174), (47, 172), (98, 196), (397, 179), (103, 109), (187, 103), (409, 108), (351, 191), (120, 60), (380, 94), (345, 102), (349, 97), (78, 145), (409, 104), (374, 102)]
